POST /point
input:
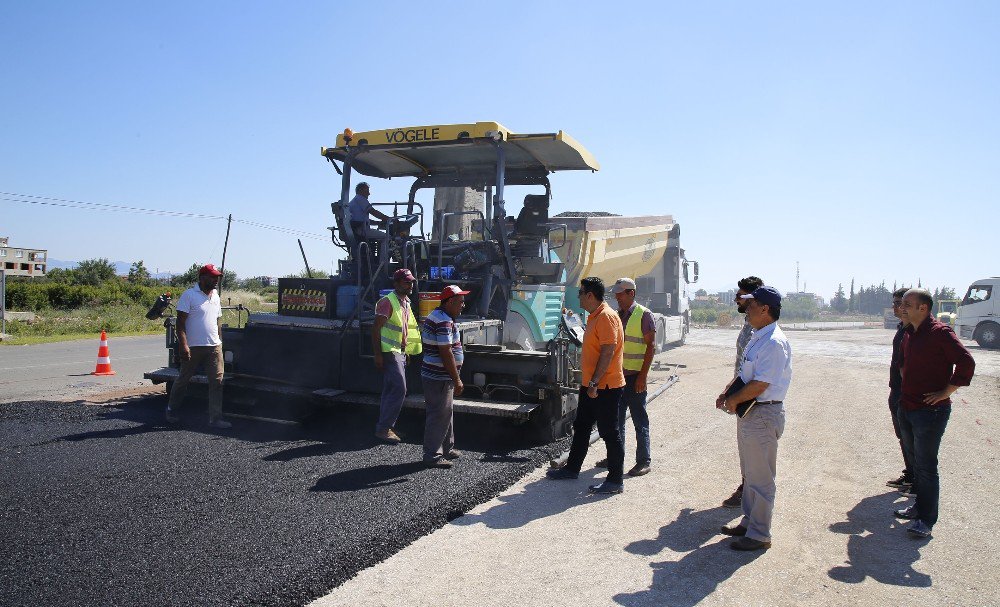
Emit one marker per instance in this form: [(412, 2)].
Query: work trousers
[(211, 356), (922, 430), (393, 390), (439, 427), (757, 436), (635, 403), (604, 411), (894, 396)]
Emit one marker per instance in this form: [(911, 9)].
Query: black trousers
[(894, 397), (604, 411)]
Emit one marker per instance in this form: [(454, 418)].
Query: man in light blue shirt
[(767, 372), (360, 209)]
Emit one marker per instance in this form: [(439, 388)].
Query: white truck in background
[(979, 313)]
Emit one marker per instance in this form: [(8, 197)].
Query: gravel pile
[(108, 505)]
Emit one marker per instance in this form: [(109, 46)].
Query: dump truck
[(318, 345), (608, 246)]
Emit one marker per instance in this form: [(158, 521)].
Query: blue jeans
[(922, 430), (636, 403)]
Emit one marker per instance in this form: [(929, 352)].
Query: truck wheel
[(988, 335)]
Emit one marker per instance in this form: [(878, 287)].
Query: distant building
[(820, 302), (17, 261), (266, 281), (726, 296)]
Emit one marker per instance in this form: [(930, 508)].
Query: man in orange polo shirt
[(603, 384)]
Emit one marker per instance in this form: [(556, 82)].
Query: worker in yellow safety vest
[(639, 348), (395, 337)]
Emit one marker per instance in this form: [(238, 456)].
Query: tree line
[(874, 299)]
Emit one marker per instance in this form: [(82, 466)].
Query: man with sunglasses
[(745, 286), (766, 371), (905, 481), (603, 383)]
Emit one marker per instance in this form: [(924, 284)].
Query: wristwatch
[(592, 384)]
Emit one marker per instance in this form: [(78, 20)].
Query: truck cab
[(947, 311), (978, 315)]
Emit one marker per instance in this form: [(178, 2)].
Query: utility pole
[(797, 277), (222, 278)]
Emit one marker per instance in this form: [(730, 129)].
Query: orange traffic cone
[(103, 357)]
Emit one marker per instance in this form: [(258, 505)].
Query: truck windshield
[(977, 293), (949, 306)]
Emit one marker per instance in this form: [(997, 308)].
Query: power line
[(96, 206)]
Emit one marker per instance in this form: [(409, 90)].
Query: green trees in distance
[(874, 299), (138, 274), (190, 278), (839, 303), (94, 271), (304, 274)]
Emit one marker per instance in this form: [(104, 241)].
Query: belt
[(769, 402)]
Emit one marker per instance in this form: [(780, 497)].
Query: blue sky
[(860, 139)]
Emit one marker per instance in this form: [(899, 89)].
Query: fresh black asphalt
[(108, 505)]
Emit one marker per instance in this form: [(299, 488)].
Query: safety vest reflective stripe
[(396, 345), (635, 345), (392, 331)]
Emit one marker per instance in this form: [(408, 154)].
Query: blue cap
[(765, 295)]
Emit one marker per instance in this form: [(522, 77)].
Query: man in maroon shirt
[(935, 364)]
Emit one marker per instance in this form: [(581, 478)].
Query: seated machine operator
[(360, 210)]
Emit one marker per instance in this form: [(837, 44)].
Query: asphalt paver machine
[(318, 344)]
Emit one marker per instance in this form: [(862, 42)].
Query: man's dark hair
[(595, 285), (357, 188), (750, 284), (900, 292), (923, 296)]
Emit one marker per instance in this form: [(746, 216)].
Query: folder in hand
[(743, 408)]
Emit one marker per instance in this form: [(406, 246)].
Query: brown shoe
[(735, 500), (639, 470), (437, 463), (389, 437), (748, 543), (735, 530), (453, 454)]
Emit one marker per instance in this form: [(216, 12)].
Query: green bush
[(704, 316), (35, 296)]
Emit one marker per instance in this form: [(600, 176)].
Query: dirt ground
[(835, 541)]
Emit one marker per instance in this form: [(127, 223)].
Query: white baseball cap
[(622, 285)]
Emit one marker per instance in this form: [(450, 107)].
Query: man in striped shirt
[(442, 365)]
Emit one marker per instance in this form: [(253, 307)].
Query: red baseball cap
[(451, 291), (209, 269), (403, 274)]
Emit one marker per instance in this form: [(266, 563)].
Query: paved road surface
[(62, 370), (835, 540), (105, 505)]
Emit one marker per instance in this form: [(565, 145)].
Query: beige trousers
[(212, 357)]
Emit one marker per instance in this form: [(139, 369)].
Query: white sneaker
[(220, 424)]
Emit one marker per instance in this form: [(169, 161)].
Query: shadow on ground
[(686, 582), (539, 499), (879, 547)]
